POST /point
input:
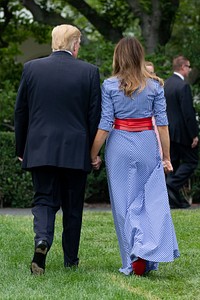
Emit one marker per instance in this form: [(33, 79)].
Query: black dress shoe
[(172, 206), (175, 200), (180, 206), (184, 204), (39, 258)]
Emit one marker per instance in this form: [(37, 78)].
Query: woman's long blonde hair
[(129, 66)]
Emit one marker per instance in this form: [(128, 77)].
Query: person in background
[(150, 68), (135, 174), (57, 112), (183, 130)]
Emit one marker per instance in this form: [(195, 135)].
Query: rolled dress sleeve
[(159, 109), (107, 108)]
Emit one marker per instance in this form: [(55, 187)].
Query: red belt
[(134, 124)]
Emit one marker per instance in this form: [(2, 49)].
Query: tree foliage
[(165, 27), (186, 36), (112, 18)]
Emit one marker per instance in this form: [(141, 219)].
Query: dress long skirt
[(139, 199)]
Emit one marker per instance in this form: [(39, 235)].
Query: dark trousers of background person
[(54, 188), (184, 161)]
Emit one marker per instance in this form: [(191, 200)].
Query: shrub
[(15, 184), (97, 188)]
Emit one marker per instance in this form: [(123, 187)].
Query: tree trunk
[(156, 21), (101, 23), (42, 16)]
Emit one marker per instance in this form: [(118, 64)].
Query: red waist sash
[(134, 124)]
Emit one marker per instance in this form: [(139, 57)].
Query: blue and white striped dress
[(136, 178)]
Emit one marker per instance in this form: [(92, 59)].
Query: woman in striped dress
[(135, 170)]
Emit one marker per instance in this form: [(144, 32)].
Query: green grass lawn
[(97, 276)]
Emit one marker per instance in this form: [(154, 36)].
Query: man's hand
[(195, 142), (20, 159), (96, 163)]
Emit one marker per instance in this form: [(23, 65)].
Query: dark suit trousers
[(55, 188), (184, 161)]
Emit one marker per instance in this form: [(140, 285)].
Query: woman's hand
[(96, 163), (167, 166)]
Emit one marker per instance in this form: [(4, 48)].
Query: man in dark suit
[(183, 131), (57, 112)]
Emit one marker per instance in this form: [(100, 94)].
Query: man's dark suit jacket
[(180, 111), (57, 112)]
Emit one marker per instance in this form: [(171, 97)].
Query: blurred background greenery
[(166, 28)]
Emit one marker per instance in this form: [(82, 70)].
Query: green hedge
[(16, 186)]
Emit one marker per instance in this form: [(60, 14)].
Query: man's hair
[(178, 62), (64, 37)]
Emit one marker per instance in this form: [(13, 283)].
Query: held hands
[(96, 163), (167, 166)]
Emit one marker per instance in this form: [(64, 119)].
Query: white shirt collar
[(63, 51), (178, 74)]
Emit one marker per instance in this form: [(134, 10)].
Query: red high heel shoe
[(139, 266)]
